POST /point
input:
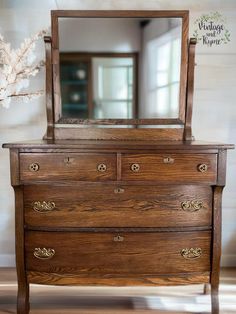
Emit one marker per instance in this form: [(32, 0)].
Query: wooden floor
[(105, 300)]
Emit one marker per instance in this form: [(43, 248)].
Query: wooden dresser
[(112, 211)]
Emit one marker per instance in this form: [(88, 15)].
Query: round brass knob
[(102, 167), (202, 167), (34, 167), (135, 167)]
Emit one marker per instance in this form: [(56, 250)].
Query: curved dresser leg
[(215, 299), (207, 289), (23, 298)]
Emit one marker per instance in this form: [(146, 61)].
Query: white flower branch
[(16, 67)]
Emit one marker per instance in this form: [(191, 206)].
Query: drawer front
[(126, 253), (60, 166), (180, 168), (117, 206)]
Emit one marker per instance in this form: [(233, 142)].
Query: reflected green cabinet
[(75, 86), (98, 85)]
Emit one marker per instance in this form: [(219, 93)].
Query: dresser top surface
[(113, 144)]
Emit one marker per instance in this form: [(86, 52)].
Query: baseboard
[(228, 260), (7, 260)]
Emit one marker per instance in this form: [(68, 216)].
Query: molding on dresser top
[(118, 144)]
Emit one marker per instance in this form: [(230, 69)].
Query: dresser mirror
[(115, 69)]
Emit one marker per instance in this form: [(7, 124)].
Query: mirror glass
[(120, 68)]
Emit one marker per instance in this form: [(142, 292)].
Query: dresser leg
[(215, 299), (23, 298), (207, 289)]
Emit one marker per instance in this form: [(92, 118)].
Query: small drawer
[(112, 253), (179, 168), (103, 205), (71, 166)]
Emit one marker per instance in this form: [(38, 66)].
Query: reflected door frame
[(87, 57)]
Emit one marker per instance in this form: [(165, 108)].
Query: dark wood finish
[(92, 207), (190, 90), (23, 285), (138, 253), (48, 87), (15, 167), (118, 206), (151, 122), (118, 134), (119, 145), (184, 168), (69, 166), (125, 280)]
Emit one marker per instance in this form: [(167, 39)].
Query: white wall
[(214, 116), (105, 35)]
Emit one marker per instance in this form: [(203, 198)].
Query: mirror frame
[(56, 14)]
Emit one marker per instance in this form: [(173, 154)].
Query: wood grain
[(98, 253), (105, 206), (49, 88), (119, 280), (184, 168), (23, 285), (59, 167), (190, 90), (174, 134)]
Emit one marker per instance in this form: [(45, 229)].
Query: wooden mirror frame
[(71, 128)]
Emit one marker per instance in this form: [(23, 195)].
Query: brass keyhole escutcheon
[(135, 167), (202, 168), (102, 167), (34, 167), (118, 190), (118, 238), (168, 160), (68, 160)]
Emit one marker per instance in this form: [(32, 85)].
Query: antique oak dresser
[(100, 203)]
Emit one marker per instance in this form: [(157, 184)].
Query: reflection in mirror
[(120, 68)]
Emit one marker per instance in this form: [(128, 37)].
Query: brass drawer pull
[(168, 160), (202, 168), (44, 253), (135, 167), (118, 238), (192, 206), (34, 167), (43, 207), (102, 167), (191, 253), (118, 190)]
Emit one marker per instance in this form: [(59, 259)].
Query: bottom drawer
[(124, 253)]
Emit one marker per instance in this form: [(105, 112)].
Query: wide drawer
[(179, 168), (104, 205), (111, 253), (71, 166)]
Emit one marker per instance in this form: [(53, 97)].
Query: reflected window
[(113, 90), (164, 79)]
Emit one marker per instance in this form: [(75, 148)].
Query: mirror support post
[(190, 88), (49, 89)]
